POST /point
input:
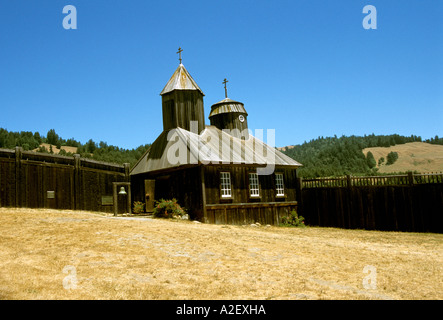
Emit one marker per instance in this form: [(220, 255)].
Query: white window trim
[(254, 187), (280, 191), (223, 185)]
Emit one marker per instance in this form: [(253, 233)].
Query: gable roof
[(181, 80), (211, 147)]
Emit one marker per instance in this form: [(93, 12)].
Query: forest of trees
[(328, 157), (98, 151), (321, 157)]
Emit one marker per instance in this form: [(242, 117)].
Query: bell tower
[(182, 101)]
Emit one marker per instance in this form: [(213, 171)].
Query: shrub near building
[(168, 209)]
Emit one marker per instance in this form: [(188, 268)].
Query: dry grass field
[(414, 156), (49, 254), (47, 146)]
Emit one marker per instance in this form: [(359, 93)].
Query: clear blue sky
[(305, 68)]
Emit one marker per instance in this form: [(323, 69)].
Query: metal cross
[(180, 50), (226, 90)]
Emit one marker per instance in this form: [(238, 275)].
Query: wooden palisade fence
[(412, 202), (37, 180)]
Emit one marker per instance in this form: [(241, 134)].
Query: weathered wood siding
[(241, 208), (77, 184), (404, 206), (240, 184), (183, 184), (197, 188), (7, 178), (182, 106), (247, 213), (230, 121)]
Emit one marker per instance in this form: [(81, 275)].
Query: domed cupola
[(230, 114)]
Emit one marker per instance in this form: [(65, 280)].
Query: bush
[(139, 207), (293, 220), (168, 209), (380, 161), (391, 158)]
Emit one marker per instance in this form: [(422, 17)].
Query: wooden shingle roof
[(227, 105), (213, 146), (181, 80)]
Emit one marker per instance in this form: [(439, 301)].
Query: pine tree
[(52, 137), (370, 160), (91, 146)]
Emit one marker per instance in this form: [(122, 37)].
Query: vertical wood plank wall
[(78, 184), (182, 106), (198, 190), (409, 207), (184, 185), (241, 208), (240, 184)]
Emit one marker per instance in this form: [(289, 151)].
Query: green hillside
[(53, 143)]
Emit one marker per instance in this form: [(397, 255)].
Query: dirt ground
[(49, 254)]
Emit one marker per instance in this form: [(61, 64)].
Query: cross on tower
[(180, 50), (226, 90)]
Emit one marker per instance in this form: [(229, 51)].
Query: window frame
[(257, 189), (224, 184), (277, 188)]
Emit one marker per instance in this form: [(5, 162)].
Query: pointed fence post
[(410, 178), (348, 181), (115, 197), (77, 183), (18, 175)]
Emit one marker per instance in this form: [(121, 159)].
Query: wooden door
[(150, 195)]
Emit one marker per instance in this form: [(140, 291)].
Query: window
[(225, 184), (254, 188), (279, 186)]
